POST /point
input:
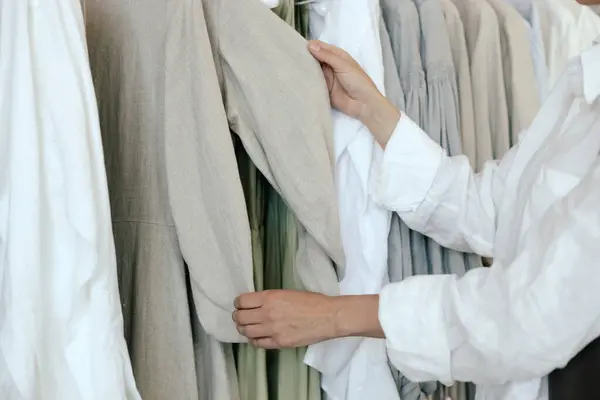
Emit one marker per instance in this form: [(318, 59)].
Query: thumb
[(329, 77), (327, 54)]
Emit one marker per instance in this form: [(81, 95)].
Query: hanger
[(303, 2)]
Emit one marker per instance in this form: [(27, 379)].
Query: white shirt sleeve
[(505, 323), (437, 195)]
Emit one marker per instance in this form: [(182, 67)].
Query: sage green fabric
[(274, 375), (251, 362), (289, 378)]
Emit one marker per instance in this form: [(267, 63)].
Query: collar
[(590, 62)]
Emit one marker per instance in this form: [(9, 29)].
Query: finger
[(249, 316), (327, 56), (248, 301), (329, 77), (266, 343), (255, 332), (334, 49)]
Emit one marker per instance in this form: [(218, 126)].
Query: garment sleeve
[(509, 322), (437, 195)]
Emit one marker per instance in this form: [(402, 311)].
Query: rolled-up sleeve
[(437, 195), (509, 322), (412, 160)]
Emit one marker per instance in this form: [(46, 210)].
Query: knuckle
[(250, 332), (281, 340)]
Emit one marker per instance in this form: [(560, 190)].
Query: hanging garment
[(442, 118), (399, 249), (289, 138), (62, 327), (489, 99), (402, 21), (392, 84), (356, 368), (407, 255), (530, 12), (536, 213), (460, 59), (567, 29), (172, 355), (518, 69), (288, 377), (251, 362)]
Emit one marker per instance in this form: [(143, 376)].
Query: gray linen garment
[(175, 190), (489, 98), (393, 86), (402, 24), (406, 253), (520, 82), (443, 117)]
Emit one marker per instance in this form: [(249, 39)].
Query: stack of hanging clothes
[(213, 117)]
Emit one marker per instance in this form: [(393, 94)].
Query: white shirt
[(61, 329), (536, 212), (567, 29), (355, 368)]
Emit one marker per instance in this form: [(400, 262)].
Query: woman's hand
[(352, 92), (286, 318)]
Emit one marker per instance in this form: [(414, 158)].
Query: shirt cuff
[(408, 168), (412, 315)]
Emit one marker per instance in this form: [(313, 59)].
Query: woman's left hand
[(276, 319)]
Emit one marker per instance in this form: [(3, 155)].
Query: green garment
[(252, 362), (281, 374), (289, 378)]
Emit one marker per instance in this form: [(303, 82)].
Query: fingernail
[(314, 46)]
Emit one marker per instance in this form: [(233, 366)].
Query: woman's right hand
[(352, 92)]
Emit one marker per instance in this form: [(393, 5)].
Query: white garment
[(61, 329), (355, 368), (536, 212), (568, 28)]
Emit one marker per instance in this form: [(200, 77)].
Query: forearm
[(356, 316), (381, 117)]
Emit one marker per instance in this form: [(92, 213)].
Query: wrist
[(380, 116), (356, 316)]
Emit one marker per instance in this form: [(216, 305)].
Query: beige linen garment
[(172, 356), (489, 99), (460, 58), (522, 94), (276, 100)]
